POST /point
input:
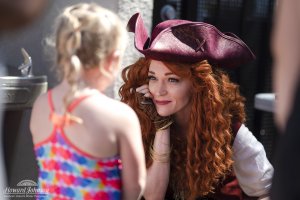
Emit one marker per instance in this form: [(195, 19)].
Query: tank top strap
[(76, 102), (50, 101), (66, 119)]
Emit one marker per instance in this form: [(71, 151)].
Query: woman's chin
[(164, 114)]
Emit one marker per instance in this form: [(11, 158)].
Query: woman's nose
[(161, 89)]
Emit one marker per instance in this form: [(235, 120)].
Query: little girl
[(87, 145)]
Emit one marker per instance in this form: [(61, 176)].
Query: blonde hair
[(86, 34)]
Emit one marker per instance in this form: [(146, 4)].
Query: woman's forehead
[(158, 67)]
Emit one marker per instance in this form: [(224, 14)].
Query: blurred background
[(251, 20)]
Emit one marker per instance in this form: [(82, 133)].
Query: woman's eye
[(151, 78), (174, 80)]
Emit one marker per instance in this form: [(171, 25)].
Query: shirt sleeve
[(251, 166)]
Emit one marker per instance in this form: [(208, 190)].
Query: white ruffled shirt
[(251, 166)]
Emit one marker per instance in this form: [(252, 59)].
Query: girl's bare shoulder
[(110, 105), (109, 114)]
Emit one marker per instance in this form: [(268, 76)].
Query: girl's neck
[(82, 88)]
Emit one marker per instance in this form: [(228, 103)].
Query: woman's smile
[(162, 102)]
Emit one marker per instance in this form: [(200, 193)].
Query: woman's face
[(171, 93)]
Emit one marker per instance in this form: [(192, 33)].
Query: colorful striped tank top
[(66, 172)]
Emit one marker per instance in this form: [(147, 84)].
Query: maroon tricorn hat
[(187, 41)]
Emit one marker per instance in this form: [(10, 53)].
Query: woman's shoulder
[(241, 133), (245, 140)]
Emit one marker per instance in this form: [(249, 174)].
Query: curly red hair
[(204, 158)]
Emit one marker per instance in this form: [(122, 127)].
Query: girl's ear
[(112, 62)]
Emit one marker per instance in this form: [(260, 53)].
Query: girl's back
[(82, 160), (79, 160)]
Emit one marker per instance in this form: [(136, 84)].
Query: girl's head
[(89, 38)]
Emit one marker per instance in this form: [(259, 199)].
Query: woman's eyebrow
[(166, 74), (169, 73)]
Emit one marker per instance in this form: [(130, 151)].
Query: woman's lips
[(162, 102)]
